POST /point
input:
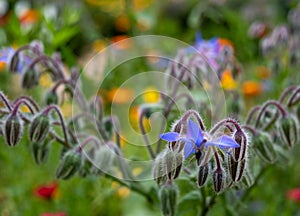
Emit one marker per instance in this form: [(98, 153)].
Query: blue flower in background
[(6, 55), (194, 139)]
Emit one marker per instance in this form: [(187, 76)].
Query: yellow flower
[(123, 192), (151, 95), (227, 81), (141, 4), (24, 109), (99, 45), (66, 109), (252, 88), (45, 80), (134, 115), (137, 170)]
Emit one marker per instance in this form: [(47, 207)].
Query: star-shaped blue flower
[(194, 139)]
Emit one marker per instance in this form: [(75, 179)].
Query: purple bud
[(14, 63), (219, 179), (168, 196), (69, 164), (236, 168), (257, 30), (30, 78), (288, 129), (202, 174), (39, 128), (280, 35), (13, 130), (241, 138), (263, 147)]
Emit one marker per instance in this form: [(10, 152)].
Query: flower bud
[(263, 147), (168, 197), (236, 168), (288, 130), (241, 138), (202, 174), (105, 157), (247, 180), (30, 78), (149, 109), (173, 162), (70, 163), (39, 128), (108, 126), (14, 63), (257, 30), (41, 151), (51, 98), (219, 179), (159, 173), (85, 169), (13, 130)]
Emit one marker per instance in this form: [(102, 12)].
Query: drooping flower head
[(195, 140)]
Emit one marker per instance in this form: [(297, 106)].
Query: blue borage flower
[(7, 53), (195, 139)]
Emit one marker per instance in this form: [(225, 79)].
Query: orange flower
[(121, 42), (2, 66), (227, 81), (46, 191), (252, 88), (29, 17), (225, 42), (120, 95)]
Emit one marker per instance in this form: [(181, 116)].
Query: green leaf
[(64, 35)]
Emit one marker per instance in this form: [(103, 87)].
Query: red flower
[(54, 214), (46, 191), (294, 194)]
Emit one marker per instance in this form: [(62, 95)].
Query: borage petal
[(170, 136), (223, 141), (194, 133), (189, 149)]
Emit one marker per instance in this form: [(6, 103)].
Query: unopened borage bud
[(41, 151), (173, 163), (13, 129), (70, 163), (219, 179), (159, 173), (39, 128), (236, 168), (30, 78), (168, 197), (202, 174), (263, 147), (288, 130), (51, 98), (14, 63)]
